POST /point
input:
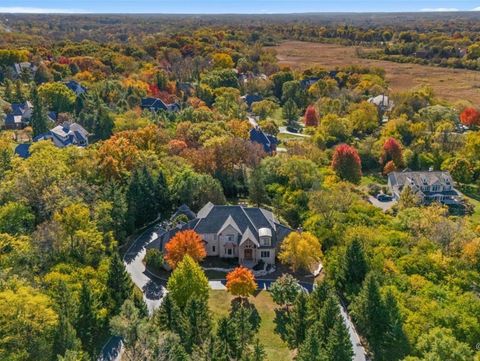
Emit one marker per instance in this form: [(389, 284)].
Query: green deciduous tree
[(187, 280)]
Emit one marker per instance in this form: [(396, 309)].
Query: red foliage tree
[(183, 243), (389, 167), (347, 164), (470, 117), (392, 151), (311, 118)]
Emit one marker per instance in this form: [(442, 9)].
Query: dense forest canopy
[(408, 275)]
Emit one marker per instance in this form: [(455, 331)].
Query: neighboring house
[(268, 142), (249, 99), (23, 150), (307, 83), (429, 186), (249, 235), (25, 67), (383, 103), (19, 117), (75, 87), (155, 105), (66, 134)]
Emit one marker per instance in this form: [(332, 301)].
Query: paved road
[(153, 289), (385, 206), (283, 130)]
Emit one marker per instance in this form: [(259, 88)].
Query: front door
[(248, 254)]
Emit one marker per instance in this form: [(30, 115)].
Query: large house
[(23, 68), (382, 102), (267, 141), (66, 134), (19, 117), (246, 234), (75, 87), (430, 186), (155, 105)]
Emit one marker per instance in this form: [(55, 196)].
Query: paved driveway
[(385, 206)]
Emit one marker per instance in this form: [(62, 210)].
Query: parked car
[(384, 197)]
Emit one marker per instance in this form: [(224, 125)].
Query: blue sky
[(233, 6)]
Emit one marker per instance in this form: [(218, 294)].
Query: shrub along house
[(246, 234)]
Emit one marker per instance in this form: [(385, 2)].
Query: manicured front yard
[(275, 348)]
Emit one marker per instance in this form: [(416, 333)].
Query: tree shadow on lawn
[(281, 321), (254, 318)]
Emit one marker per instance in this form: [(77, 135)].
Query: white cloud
[(476, 9), (33, 10), (440, 9)]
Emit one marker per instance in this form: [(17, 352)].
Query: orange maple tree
[(183, 243), (241, 282)]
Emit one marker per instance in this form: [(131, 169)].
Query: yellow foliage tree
[(300, 250)]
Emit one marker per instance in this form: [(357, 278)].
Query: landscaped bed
[(276, 349)]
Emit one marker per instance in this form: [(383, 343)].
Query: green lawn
[(275, 348)]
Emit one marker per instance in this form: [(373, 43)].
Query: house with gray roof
[(156, 104), (19, 117), (247, 234), (382, 102), (429, 186), (66, 134)]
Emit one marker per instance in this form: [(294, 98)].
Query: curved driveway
[(153, 288)]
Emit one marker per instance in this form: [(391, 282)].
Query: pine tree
[(369, 314), (243, 327), (257, 192), (164, 201), (298, 322), (227, 337), (198, 323), (65, 337), (86, 322), (339, 346), (8, 93), (329, 315), (19, 95), (39, 118), (119, 284), (290, 112), (168, 317), (312, 349), (395, 342), (258, 352), (140, 195), (355, 267), (317, 300)]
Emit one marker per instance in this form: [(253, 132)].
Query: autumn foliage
[(183, 243), (347, 164), (311, 118), (470, 117), (241, 282), (392, 151)]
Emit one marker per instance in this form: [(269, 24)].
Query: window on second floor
[(265, 241)]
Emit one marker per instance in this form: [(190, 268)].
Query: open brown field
[(449, 84)]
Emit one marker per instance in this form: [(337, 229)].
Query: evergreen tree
[(329, 315), (312, 349), (339, 346), (298, 322), (355, 267), (241, 318), (119, 284), (395, 343), (227, 337), (39, 119), (86, 322), (19, 95), (115, 194), (164, 201), (369, 314), (42, 75), (317, 300), (140, 195), (197, 322), (168, 317), (65, 337), (8, 92), (170, 349), (290, 112), (256, 188), (258, 352)]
